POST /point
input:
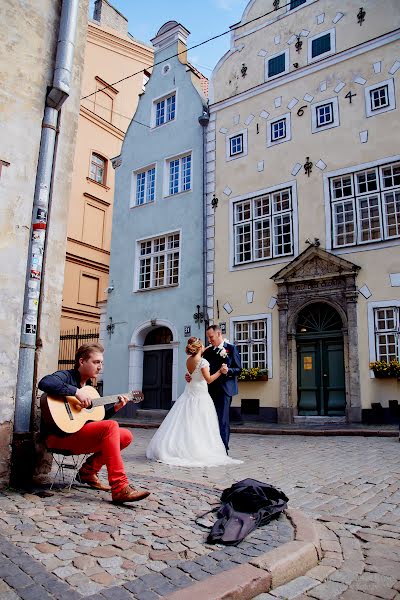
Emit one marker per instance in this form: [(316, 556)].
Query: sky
[(203, 19)]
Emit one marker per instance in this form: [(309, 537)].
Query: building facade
[(303, 157), (29, 37), (157, 248), (105, 113)]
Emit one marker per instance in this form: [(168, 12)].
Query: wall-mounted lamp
[(214, 202), (361, 16)]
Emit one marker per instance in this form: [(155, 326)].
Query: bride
[(189, 435)]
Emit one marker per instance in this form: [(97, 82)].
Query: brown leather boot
[(92, 481), (129, 494)]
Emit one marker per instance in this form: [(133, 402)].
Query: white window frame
[(165, 234), (292, 10), (288, 136), (260, 317), (133, 203), (268, 58), (166, 193), (369, 111), (351, 171), (273, 260), (332, 33), (315, 128), (154, 109), (228, 138), (372, 306)]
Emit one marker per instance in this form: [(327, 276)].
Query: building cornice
[(96, 199), (80, 312), (308, 69), (93, 118), (120, 45)]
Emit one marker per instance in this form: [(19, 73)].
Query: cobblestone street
[(74, 544)]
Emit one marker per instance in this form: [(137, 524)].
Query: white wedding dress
[(189, 435)]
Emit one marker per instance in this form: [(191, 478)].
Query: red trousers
[(105, 439)]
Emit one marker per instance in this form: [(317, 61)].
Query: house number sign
[(187, 330)]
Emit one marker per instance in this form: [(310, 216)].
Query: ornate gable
[(315, 263)]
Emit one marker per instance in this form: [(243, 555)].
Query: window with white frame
[(365, 206), (277, 65), (325, 115), (179, 174), (159, 261), (144, 186), (380, 98), (98, 168), (236, 145), (279, 130), (263, 227), (387, 333), (295, 3), (321, 45), (165, 109), (250, 337)]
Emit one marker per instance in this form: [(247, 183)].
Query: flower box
[(253, 374), (384, 370)]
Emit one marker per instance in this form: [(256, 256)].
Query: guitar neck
[(105, 400)]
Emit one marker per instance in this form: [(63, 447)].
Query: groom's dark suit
[(226, 386)]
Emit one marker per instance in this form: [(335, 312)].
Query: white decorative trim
[(304, 33), (391, 94), (288, 127), (364, 136), (332, 33), (264, 114), (227, 308), (223, 130), (328, 223), (395, 67), (278, 102), (292, 103), (296, 169), (262, 53), (365, 291), (236, 119), (287, 64), (260, 166), (314, 119), (277, 39), (371, 326), (227, 191), (337, 17), (250, 296), (394, 279), (228, 138), (360, 80), (320, 164), (320, 18), (307, 70), (322, 86), (258, 317), (308, 97), (249, 120), (339, 86), (377, 66), (292, 39), (272, 302)]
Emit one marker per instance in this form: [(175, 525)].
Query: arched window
[(161, 335), (98, 168), (318, 318)]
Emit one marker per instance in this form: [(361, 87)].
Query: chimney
[(172, 33), (106, 15)]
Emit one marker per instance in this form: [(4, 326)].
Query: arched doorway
[(157, 369), (321, 387)]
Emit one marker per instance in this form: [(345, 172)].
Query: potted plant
[(383, 369), (254, 374)]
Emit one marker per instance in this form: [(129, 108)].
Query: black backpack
[(246, 505)]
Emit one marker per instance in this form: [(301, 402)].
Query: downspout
[(56, 97), (204, 120)]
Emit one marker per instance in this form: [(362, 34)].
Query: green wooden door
[(320, 372)]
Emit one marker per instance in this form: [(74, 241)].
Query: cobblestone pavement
[(75, 544)]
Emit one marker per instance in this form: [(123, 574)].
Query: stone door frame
[(317, 276)]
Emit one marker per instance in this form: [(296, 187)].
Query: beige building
[(304, 245), (111, 55), (31, 95)]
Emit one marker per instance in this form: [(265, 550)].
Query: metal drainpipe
[(204, 120), (56, 97)]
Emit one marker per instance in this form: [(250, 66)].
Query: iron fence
[(70, 340)]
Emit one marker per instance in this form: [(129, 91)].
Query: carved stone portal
[(317, 276)]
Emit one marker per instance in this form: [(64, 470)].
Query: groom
[(223, 388)]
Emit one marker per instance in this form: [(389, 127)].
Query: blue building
[(157, 249)]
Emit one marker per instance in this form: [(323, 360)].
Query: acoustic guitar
[(66, 413)]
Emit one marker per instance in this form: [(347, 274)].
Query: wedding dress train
[(189, 435)]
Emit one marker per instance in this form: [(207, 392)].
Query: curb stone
[(268, 571)]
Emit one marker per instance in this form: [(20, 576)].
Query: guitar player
[(104, 439)]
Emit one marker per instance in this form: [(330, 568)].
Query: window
[(144, 186), (279, 130), (251, 339), (321, 45), (165, 110), (159, 261), (179, 174), (365, 206), (325, 115), (236, 145), (387, 329), (277, 65), (380, 98), (263, 227), (98, 168), (296, 3)]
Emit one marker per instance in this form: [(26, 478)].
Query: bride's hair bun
[(193, 346)]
